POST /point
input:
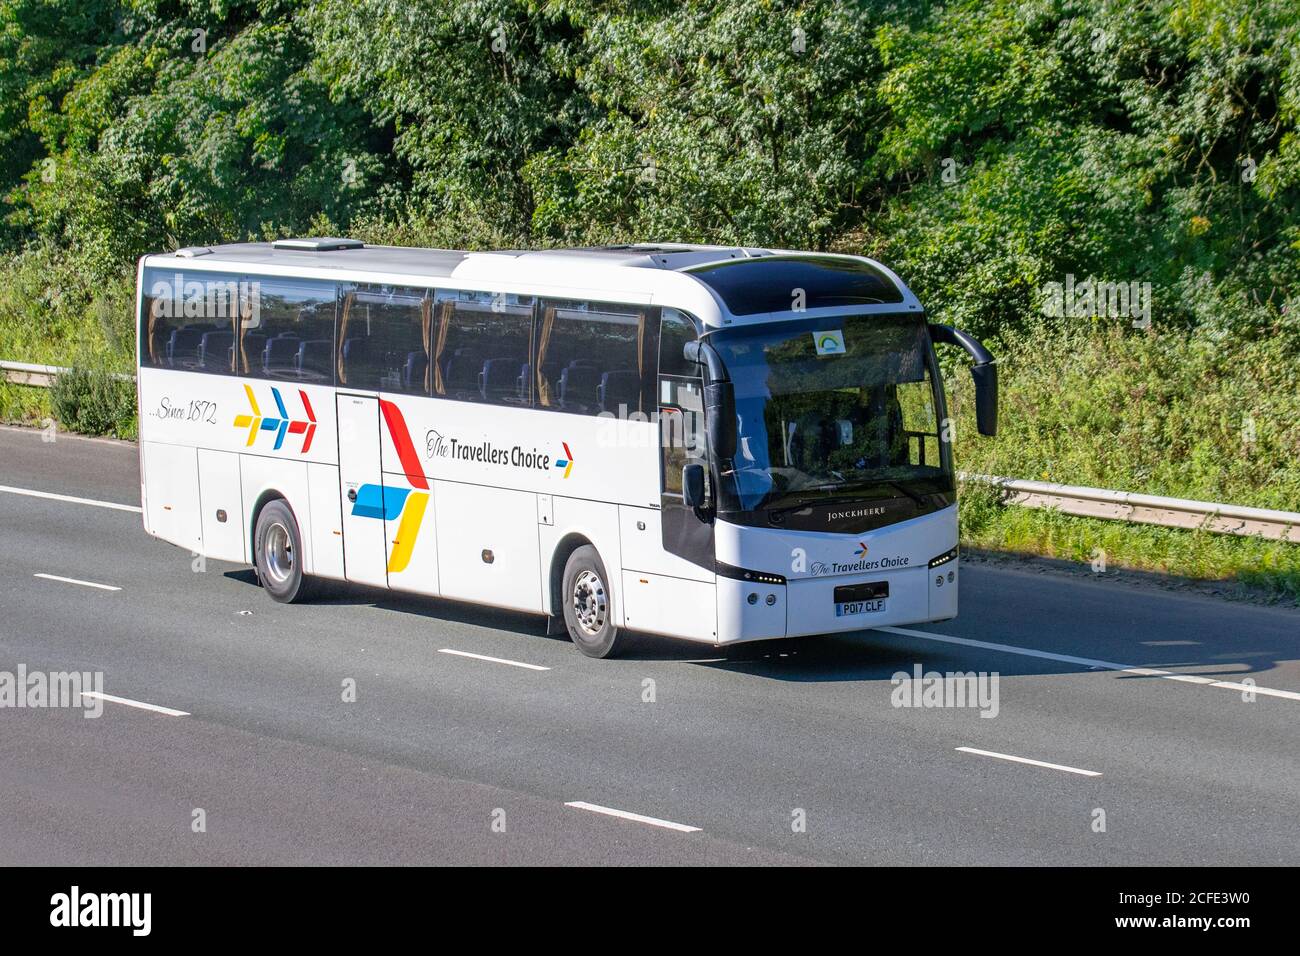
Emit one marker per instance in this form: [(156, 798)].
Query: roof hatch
[(322, 244)]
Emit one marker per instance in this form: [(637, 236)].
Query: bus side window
[(681, 399), (187, 321), (675, 330), (383, 339), (479, 343), (287, 330), (594, 358), (681, 427)]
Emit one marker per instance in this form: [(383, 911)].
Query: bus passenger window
[(595, 358), (480, 347), (383, 339), (188, 320), (287, 330)]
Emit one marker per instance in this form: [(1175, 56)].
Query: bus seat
[(463, 371), (355, 347), (214, 351), (500, 379), (417, 363), (620, 387), (280, 353), (578, 385), (553, 371), (184, 345), (314, 355)]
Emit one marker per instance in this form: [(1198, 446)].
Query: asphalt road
[(444, 758)]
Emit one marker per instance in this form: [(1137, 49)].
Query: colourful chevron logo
[(861, 551), (390, 503), (566, 462), (257, 423)]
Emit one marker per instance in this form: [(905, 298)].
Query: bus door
[(361, 483)]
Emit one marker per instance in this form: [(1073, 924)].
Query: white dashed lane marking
[(1033, 763), (634, 817), (84, 584)]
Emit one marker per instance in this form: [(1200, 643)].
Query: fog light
[(771, 599), (938, 582), (752, 599)]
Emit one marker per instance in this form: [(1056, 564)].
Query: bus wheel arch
[(570, 543)]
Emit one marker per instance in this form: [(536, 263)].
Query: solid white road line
[(71, 499), (1090, 662), (1036, 763), (494, 660), (139, 704), (635, 817), (84, 584)]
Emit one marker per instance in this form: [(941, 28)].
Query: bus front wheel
[(278, 553), (588, 611)]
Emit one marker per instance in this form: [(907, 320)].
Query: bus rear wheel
[(278, 554), (588, 611)]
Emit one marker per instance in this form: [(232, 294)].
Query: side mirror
[(984, 372), (986, 398), (693, 485)]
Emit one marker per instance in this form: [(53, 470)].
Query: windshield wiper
[(833, 486), (907, 491), (808, 502), (786, 509)]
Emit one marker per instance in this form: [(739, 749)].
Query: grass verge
[(1245, 567)]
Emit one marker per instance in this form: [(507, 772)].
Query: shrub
[(94, 401)]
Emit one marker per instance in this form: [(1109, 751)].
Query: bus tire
[(588, 607), (277, 552)]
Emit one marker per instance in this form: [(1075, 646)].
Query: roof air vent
[(318, 245), (189, 252)]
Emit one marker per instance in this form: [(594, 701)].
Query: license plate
[(848, 608)]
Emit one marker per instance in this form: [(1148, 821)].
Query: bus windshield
[(834, 408)]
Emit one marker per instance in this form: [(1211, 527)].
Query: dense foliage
[(983, 147)]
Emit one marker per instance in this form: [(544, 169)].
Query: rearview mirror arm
[(984, 371), (703, 353)]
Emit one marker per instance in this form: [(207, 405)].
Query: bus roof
[(745, 284)]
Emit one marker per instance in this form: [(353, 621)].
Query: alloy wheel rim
[(590, 605), (279, 553)]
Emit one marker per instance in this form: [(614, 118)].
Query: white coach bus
[(717, 444)]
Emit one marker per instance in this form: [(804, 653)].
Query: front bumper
[(806, 606)]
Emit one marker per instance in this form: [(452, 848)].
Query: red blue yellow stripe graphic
[(388, 503), (284, 425)]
